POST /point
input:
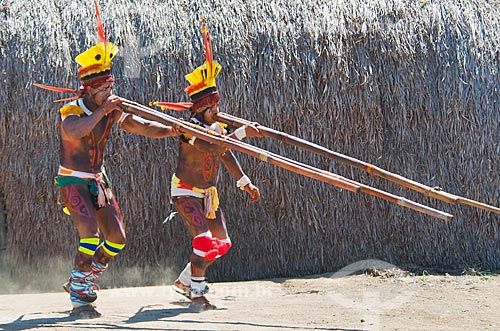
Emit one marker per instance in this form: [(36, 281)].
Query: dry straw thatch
[(410, 86)]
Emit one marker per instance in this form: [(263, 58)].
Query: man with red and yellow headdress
[(85, 125), (193, 187)]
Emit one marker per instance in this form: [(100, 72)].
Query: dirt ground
[(373, 300)]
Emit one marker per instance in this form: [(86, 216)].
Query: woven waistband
[(63, 171)]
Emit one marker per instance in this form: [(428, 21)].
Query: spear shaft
[(435, 193), (278, 160), (214, 137)]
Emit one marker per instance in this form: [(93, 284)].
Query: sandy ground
[(386, 300)]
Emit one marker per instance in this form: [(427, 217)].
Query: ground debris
[(387, 273)]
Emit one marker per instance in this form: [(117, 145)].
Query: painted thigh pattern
[(192, 213), (205, 244), (78, 200)]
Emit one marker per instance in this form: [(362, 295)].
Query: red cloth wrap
[(208, 245), (224, 247)]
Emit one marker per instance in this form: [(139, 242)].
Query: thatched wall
[(410, 86)]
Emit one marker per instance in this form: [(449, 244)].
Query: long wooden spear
[(225, 141), (369, 168), (278, 160)]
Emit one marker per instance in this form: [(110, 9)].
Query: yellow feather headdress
[(203, 88), (95, 63), (97, 60)]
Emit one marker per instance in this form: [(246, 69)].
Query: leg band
[(210, 248), (185, 276), (198, 287), (225, 245), (100, 262), (98, 269), (111, 248), (82, 288), (88, 245), (206, 246)]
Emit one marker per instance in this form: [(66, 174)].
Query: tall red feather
[(100, 28), (207, 41)]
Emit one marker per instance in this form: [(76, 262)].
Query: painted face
[(99, 94), (209, 112)]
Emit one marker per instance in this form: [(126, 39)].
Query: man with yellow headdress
[(193, 186), (85, 125)]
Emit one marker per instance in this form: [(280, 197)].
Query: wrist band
[(191, 140), (240, 132), (243, 181)]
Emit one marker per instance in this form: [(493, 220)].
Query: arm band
[(240, 132), (243, 181)]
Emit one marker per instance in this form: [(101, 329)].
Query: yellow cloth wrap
[(88, 245), (213, 202), (210, 195)]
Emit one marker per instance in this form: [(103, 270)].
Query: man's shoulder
[(71, 108), (186, 137)]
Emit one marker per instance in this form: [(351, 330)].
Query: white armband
[(191, 140), (240, 132), (243, 181)]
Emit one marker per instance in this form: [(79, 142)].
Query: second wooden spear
[(278, 160), (369, 168)]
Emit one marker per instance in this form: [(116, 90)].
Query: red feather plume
[(207, 41), (100, 28), (180, 106), (57, 89), (61, 89)]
